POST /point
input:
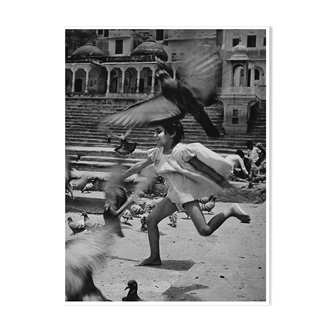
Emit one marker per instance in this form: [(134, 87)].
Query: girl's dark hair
[(172, 127)]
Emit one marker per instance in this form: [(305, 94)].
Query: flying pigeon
[(132, 293), (115, 198), (195, 88), (83, 255), (125, 147)]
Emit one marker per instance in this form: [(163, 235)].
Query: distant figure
[(236, 160), (222, 132), (253, 151), (253, 154), (109, 138), (262, 155)]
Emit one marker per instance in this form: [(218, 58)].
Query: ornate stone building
[(124, 62)]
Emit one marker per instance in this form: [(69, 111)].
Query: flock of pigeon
[(194, 86)]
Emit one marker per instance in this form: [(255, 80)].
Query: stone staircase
[(84, 138)]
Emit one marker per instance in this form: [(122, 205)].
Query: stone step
[(97, 165), (147, 143), (108, 159), (240, 143), (85, 138), (189, 133)]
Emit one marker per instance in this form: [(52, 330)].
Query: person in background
[(236, 160), (262, 155), (252, 155)]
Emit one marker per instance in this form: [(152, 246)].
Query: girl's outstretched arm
[(211, 173), (136, 168)]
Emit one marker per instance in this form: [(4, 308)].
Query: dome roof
[(239, 53), (88, 50), (151, 48)]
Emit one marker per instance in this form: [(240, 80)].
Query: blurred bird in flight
[(195, 87)]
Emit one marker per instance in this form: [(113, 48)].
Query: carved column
[(252, 76), (108, 80), (153, 79), (87, 80), (123, 79), (138, 78), (73, 82)]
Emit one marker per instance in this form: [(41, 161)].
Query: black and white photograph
[(167, 165)]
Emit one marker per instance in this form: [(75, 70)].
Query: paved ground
[(230, 265)]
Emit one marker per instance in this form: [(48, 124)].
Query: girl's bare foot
[(237, 212), (150, 261)]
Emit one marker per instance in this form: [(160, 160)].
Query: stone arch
[(238, 75), (69, 80), (145, 80), (115, 80), (93, 80), (80, 76), (102, 80), (259, 76), (130, 80)]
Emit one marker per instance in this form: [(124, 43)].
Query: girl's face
[(162, 139)]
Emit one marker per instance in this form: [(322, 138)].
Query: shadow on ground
[(180, 293), (176, 265)]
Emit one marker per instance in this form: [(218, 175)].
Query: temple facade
[(123, 63)]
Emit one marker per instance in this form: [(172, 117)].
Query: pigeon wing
[(201, 73), (145, 112)]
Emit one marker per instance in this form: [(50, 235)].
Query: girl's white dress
[(185, 182)]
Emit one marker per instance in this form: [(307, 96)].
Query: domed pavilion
[(90, 71)]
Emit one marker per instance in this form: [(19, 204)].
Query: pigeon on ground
[(150, 205), (209, 205), (89, 224), (173, 219), (126, 216), (88, 186), (144, 226), (196, 87), (80, 183), (136, 210), (205, 199), (132, 293), (75, 226)]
